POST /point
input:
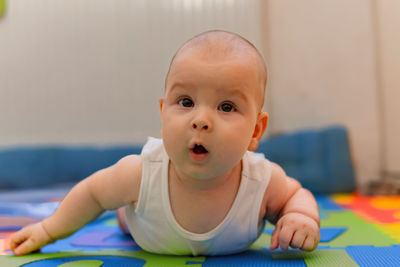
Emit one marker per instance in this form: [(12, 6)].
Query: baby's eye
[(226, 107), (186, 102)]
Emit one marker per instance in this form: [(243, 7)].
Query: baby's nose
[(200, 125), (202, 120)]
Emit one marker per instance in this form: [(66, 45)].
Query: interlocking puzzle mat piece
[(386, 202), (372, 209), (321, 257), (354, 231), (358, 232), (370, 256), (105, 238), (381, 211), (264, 257), (89, 261), (325, 203), (253, 258), (92, 238), (264, 241), (392, 229), (333, 251), (330, 257), (108, 257)]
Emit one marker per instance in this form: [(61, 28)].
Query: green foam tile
[(262, 242), (326, 258), (152, 260), (358, 232), (84, 263)]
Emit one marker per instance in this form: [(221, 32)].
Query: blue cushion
[(38, 166), (318, 159)]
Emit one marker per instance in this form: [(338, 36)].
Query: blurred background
[(92, 72)]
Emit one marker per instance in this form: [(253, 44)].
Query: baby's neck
[(194, 184)]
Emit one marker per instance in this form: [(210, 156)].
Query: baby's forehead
[(218, 46)]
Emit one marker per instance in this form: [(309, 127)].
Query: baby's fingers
[(275, 239), (298, 239), (18, 238), (27, 246), (309, 244), (285, 237), (29, 239)]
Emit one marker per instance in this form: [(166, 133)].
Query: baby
[(200, 190)]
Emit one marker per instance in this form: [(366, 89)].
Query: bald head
[(222, 45)]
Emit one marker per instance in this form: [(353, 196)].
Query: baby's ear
[(259, 129), (161, 102)]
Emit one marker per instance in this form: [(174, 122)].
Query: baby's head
[(222, 45), (211, 111)]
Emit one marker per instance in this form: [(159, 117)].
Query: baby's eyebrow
[(177, 85), (239, 93)]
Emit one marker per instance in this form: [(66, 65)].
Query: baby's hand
[(29, 239), (297, 231)]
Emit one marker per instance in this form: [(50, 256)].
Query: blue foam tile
[(110, 235), (322, 214), (269, 231), (104, 238), (253, 258), (370, 256), (106, 260), (326, 203), (330, 233)]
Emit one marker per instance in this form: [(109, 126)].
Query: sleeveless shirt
[(155, 229)]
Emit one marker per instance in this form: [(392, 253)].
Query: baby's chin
[(209, 173)]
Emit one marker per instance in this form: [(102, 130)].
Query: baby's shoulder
[(130, 165), (277, 171), (279, 190)]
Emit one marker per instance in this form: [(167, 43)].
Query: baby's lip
[(198, 148), (198, 153)]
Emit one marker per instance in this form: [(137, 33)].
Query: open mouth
[(199, 149)]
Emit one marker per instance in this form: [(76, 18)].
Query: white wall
[(388, 29), (323, 72), (92, 71)]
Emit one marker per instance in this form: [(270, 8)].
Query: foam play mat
[(355, 231)]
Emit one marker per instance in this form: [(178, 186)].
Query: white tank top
[(153, 225)]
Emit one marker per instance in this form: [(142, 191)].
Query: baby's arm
[(109, 188), (294, 211)]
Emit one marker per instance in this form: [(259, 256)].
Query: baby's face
[(209, 112)]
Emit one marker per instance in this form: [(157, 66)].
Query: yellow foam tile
[(343, 198), (386, 202)]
